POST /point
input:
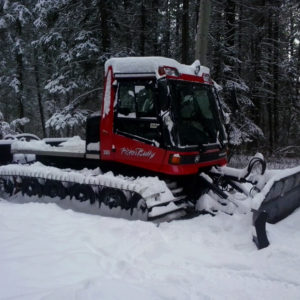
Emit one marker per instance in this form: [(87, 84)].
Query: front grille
[(204, 157)]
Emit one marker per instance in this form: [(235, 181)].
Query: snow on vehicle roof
[(151, 64)]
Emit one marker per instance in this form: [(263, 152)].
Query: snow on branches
[(60, 120), (12, 127)]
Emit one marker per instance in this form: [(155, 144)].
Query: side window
[(164, 95), (145, 101), (136, 111), (187, 106), (135, 100), (126, 101), (204, 103)]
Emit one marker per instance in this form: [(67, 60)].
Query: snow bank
[(50, 253)]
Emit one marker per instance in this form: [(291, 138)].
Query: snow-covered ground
[(47, 252)]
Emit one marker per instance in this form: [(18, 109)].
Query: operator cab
[(168, 113), (160, 115)]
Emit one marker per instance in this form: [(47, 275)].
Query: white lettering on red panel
[(138, 152)]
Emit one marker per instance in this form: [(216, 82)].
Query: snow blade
[(282, 199), (260, 235)]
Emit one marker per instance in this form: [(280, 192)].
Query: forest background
[(53, 53)]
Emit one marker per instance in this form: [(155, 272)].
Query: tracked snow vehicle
[(161, 119)]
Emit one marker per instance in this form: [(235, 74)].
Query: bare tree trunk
[(19, 73), (155, 33), (185, 32), (230, 23), (38, 91), (167, 31), (128, 31), (276, 70), (270, 97), (259, 19), (104, 25), (177, 28), (202, 31), (143, 29), (240, 33)]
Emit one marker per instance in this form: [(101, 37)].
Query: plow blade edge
[(279, 198)]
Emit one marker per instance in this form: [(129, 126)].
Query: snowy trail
[(50, 253)]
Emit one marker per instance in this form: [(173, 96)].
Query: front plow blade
[(278, 199)]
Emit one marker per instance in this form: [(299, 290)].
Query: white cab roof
[(128, 65)]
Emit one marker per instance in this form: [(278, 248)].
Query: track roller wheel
[(137, 202), (55, 189), (141, 205), (83, 193), (31, 187), (113, 198)]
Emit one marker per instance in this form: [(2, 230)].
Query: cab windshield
[(195, 112)]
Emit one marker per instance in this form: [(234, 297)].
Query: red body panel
[(190, 78), (107, 117), (144, 156)]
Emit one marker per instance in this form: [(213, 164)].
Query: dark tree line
[(53, 53)]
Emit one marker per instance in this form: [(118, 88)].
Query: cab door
[(137, 128)]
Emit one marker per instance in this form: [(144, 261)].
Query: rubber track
[(132, 186)]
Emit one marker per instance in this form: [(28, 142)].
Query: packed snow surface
[(50, 253), (47, 252)]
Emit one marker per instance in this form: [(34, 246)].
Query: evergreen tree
[(53, 53)]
